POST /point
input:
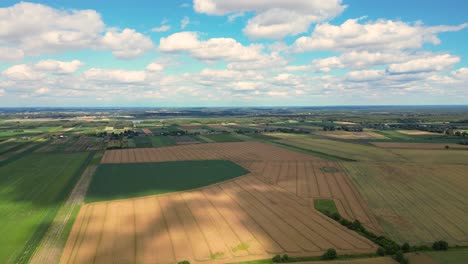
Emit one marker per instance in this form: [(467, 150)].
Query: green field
[(143, 142), (31, 190), (325, 205), (223, 138), (162, 141), (120, 181), (450, 257), (396, 136)]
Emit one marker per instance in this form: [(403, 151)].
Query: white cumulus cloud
[(114, 76), (274, 19), (212, 49), (30, 29), (378, 35), (58, 67)]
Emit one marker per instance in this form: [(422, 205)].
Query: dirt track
[(264, 213)]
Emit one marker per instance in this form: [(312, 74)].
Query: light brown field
[(147, 131), (352, 135), (399, 145), (417, 132), (416, 202), (267, 212)]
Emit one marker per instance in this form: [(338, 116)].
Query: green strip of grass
[(325, 205), (34, 241), (121, 181)]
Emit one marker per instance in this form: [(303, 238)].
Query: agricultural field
[(127, 180), (340, 134), (433, 156), (183, 140), (162, 141), (406, 145), (249, 217), (350, 151), (31, 189), (416, 132), (262, 137), (419, 137), (223, 138), (450, 257), (415, 202)]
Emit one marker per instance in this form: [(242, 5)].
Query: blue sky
[(233, 53)]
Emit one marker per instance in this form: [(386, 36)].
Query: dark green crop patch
[(121, 181)]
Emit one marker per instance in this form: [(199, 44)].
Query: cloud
[(154, 67), (114, 76), (30, 29), (380, 35), (10, 54), (2, 92), (127, 44), (58, 67), (430, 64), (162, 28), (233, 17), (274, 19), (210, 50), (184, 22), (460, 74), (37, 71), (41, 91), (22, 72), (365, 75)]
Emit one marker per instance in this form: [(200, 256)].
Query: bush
[(405, 247), (184, 262), (440, 245), (330, 254), (399, 256), (277, 259), (380, 251), (285, 258)]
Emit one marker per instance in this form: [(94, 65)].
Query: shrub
[(336, 216), (285, 258), (277, 259), (405, 247), (440, 245), (184, 262), (380, 251), (329, 254), (399, 256)]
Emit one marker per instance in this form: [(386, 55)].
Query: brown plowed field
[(264, 213)]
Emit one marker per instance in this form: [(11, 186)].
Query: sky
[(183, 53)]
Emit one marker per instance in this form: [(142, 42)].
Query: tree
[(285, 258), (440, 245), (277, 259), (380, 251), (329, 254), (399, 256), (447, 146), (405, 247)]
